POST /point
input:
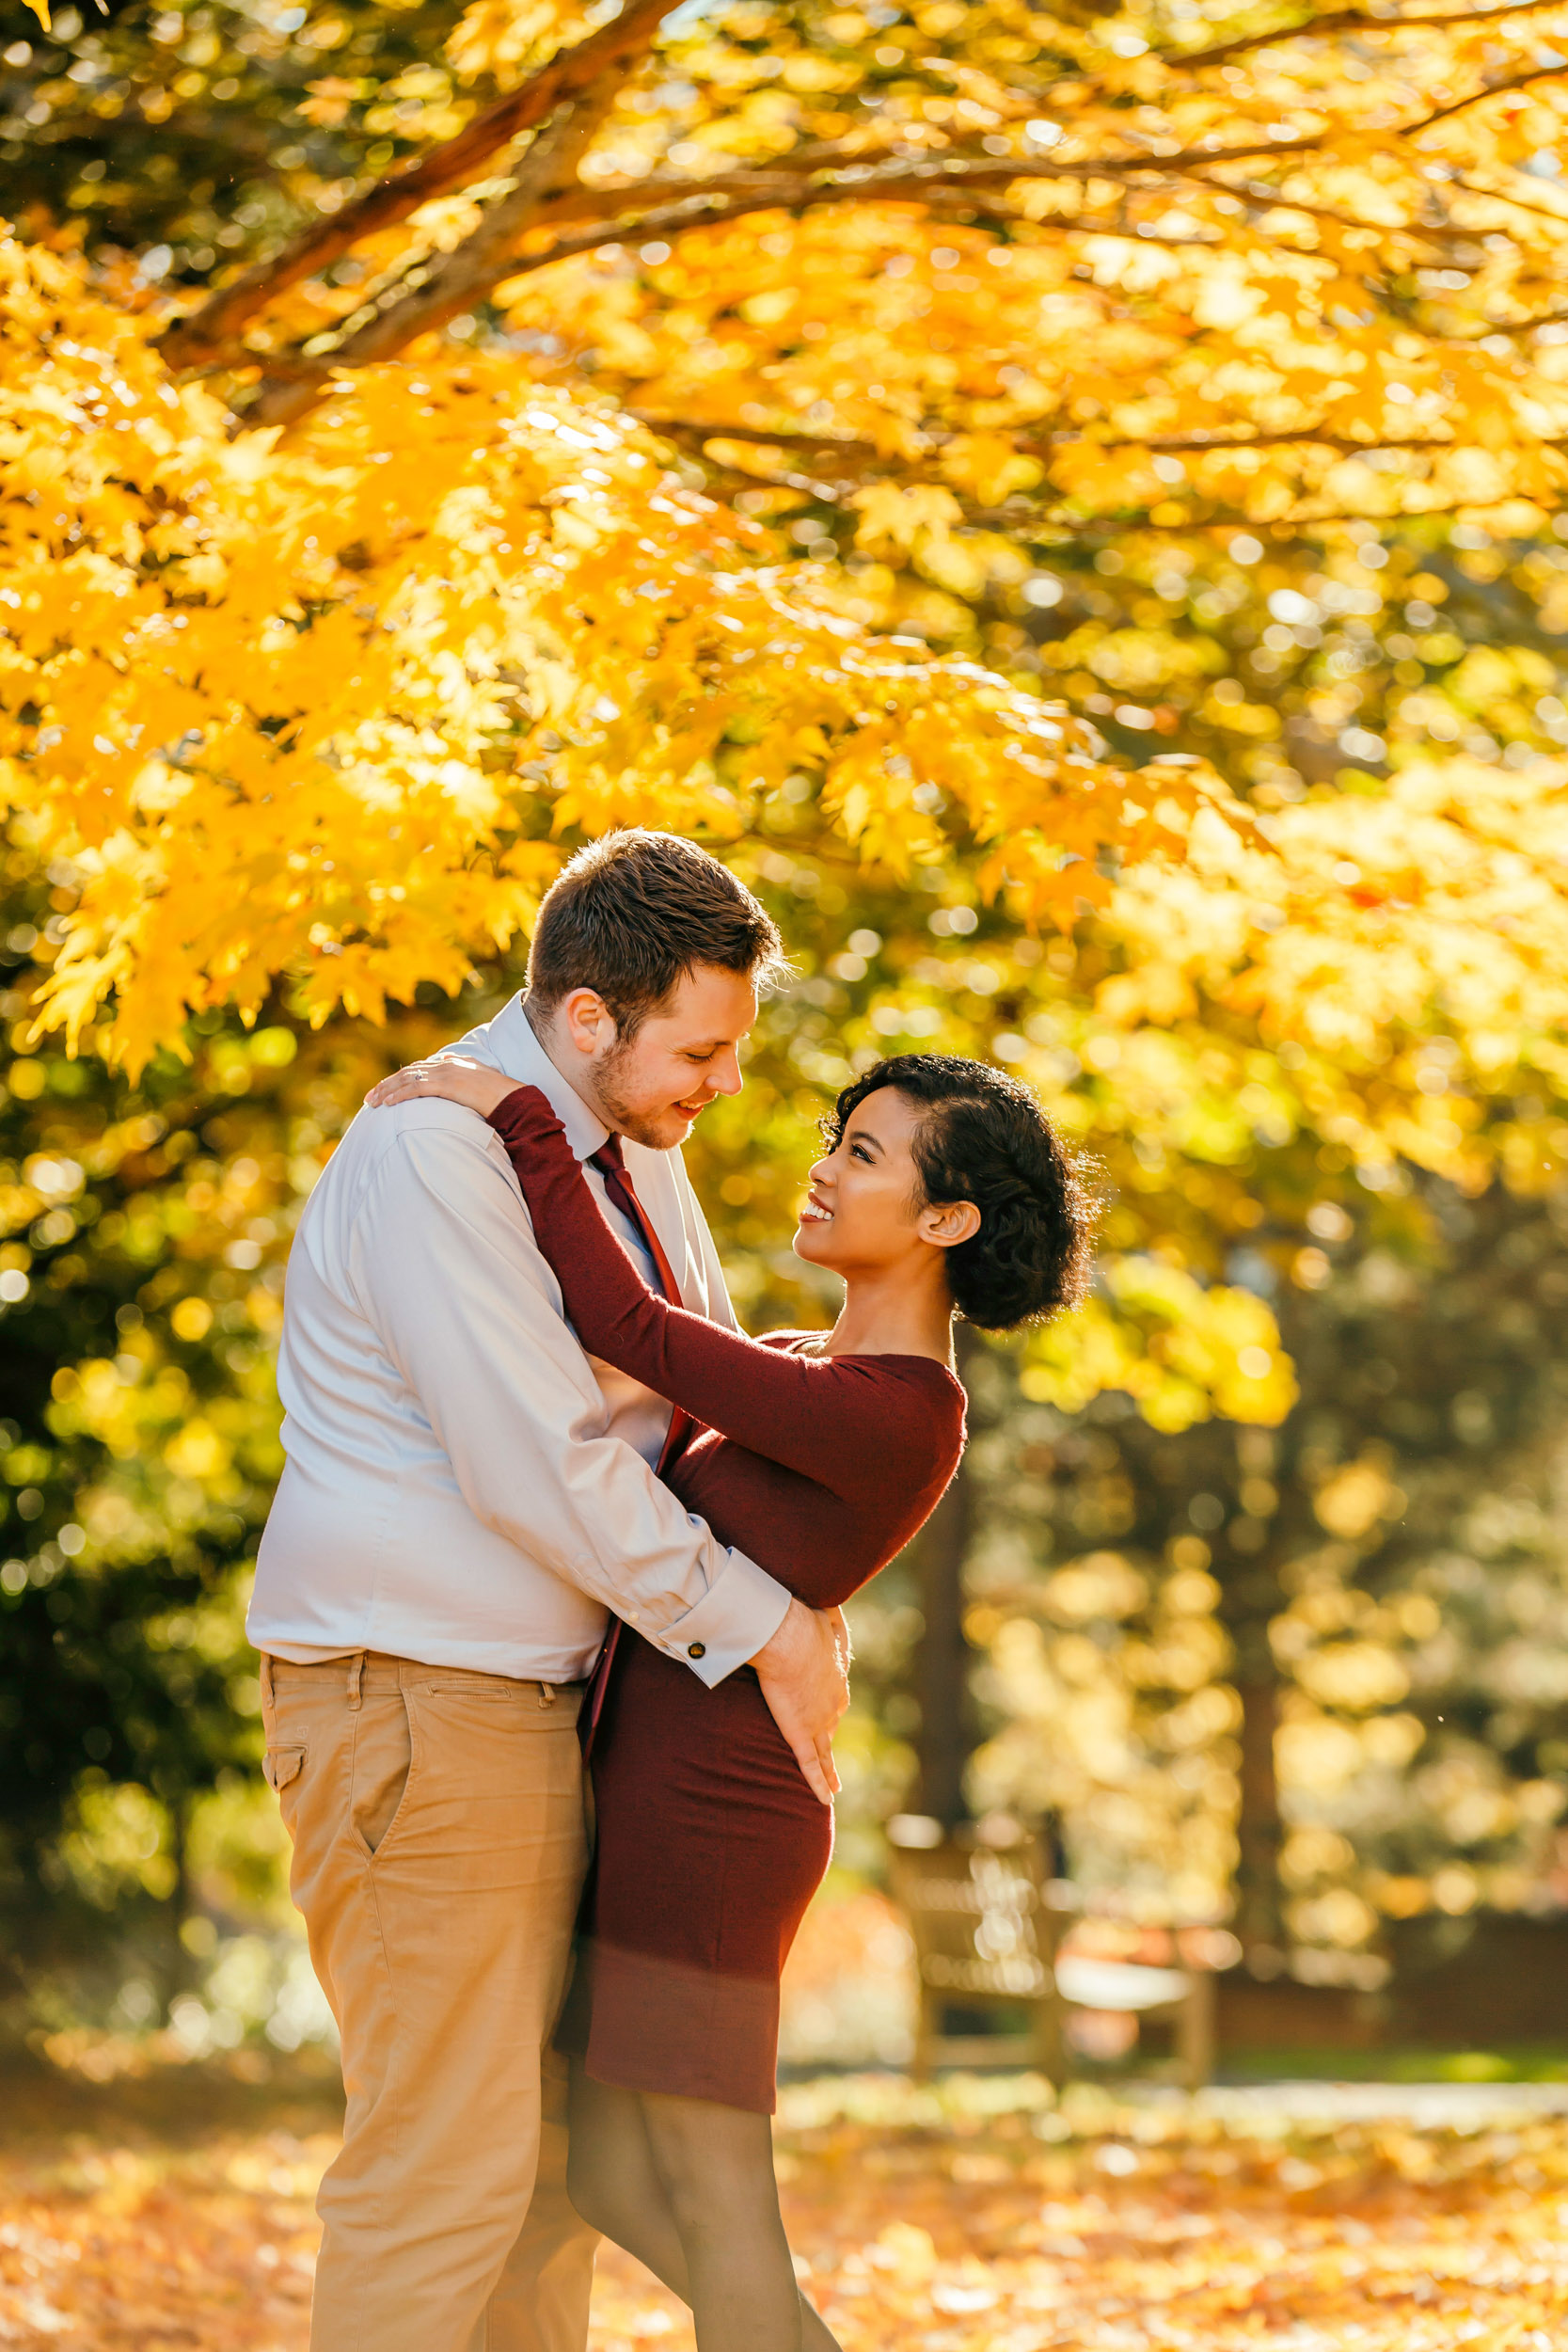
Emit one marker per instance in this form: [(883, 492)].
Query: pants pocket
[(383, 1760), (284, 1768), (281, 1765)]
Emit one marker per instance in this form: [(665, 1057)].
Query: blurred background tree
[(1256, 1568)]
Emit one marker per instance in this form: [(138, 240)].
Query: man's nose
[(724, 1077)]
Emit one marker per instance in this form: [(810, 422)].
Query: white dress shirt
[(460, 1487)]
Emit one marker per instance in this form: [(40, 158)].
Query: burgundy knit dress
[(710, 1842)]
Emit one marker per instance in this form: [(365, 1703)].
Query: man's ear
[(587, 1022), (945, 1226)]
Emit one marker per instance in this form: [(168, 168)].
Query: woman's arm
[(817, 1416)]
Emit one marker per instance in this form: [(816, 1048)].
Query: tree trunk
[(1260, 1834), (178, 1971), (944, 1659)]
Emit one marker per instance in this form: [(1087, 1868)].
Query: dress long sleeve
[(817, 1415)]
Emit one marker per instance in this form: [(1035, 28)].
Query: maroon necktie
[(611, 1163)]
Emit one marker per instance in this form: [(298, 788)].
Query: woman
[(943, 1190)]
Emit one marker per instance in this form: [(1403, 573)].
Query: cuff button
[(698, 1649)]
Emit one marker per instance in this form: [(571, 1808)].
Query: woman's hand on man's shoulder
[(450, 1077)]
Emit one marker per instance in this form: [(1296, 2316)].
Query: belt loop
[(356, 1676), (546, 1694)]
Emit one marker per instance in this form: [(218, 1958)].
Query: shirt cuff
[(737, 1615)]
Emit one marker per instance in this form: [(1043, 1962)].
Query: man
[(465, 1498)]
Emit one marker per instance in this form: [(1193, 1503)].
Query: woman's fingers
[(418, 1077), (803, 1683), (452, 1077), (819, 1770), (399, 1087)]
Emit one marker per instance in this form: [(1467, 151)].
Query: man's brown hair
[(631, 915)]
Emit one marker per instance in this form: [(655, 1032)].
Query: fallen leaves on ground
[(980, 2215)]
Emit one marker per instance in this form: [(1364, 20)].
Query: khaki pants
[(438, 1838)]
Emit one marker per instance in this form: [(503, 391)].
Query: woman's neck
[(887, 1314)]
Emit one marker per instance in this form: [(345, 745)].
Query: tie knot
[(608, 1159)]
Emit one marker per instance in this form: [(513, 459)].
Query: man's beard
[(615, 1108)]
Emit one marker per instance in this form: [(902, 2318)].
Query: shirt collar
[(518, 1052)]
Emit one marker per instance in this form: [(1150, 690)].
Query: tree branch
[(861, 461), (1307, 438), (1493, 89), (1271, 523), (825, 446), (854, 460), (1010, 518), (1514, 327), (204, 336), (427, 292), (1350, 21), (636, 208), (440, 286), (767, 437), (1519, 203), (1262, 198), (854, 174), (430, 290), (900, 177)]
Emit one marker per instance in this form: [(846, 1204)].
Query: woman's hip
[(710, 1842)]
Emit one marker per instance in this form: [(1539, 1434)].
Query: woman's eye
[(860, 1152)]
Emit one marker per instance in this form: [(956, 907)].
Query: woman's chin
[(813, 1244)]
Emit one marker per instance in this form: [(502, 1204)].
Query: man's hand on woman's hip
[(804, 1674)]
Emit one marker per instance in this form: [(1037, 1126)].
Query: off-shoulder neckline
[(888, 1355)]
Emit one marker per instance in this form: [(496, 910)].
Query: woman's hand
[(804, 1674), (452, 1077)]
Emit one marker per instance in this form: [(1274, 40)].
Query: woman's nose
[(822, 1172)]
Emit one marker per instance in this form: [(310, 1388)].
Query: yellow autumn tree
[(680, 390), (326, 710)]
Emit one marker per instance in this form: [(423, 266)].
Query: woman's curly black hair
[(984, 1137)]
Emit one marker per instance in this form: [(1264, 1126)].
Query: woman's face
[(864, 1211)]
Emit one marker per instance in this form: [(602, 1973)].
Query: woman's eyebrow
[(864, 1135)]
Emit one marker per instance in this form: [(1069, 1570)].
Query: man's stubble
[(613, 1103)]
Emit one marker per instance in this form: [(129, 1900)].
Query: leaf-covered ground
[(979, 2217)]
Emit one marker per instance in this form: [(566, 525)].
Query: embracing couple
[(520, 1408)]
